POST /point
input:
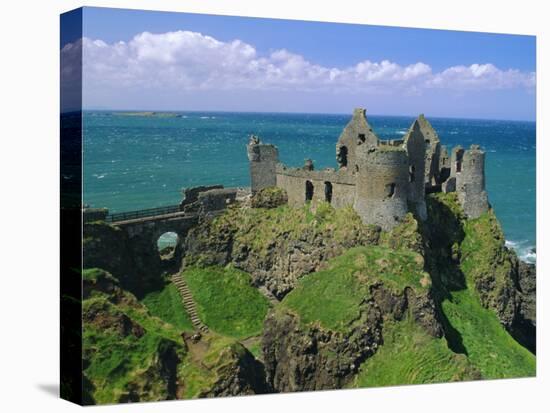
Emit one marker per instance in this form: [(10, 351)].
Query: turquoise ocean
[(137, 162)]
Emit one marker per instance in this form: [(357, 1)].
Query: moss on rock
[(272, 197), (277, 246)]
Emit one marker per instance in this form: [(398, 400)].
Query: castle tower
[(357, 133), (263, 160), (470, 182), (457, 156), (415, 146), (433, 148), (382, 185)]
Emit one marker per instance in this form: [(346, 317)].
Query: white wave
[(529, 257), (205, 117), (401, 132), (524, 250)]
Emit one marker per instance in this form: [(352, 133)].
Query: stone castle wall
[(382, 186), (357, 132), (263, 162), (416, 154), (470, 183), (380, 179), (335, 187)]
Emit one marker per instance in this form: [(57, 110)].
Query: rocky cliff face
[(131, 356), (137, 267), (474, 251), (300, 356), (343, 293), (277, 246)]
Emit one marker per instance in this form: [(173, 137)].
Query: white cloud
[(185, 60), (484, 76)]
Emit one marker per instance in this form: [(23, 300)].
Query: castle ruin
[(381, 179)]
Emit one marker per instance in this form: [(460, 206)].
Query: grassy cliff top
[(226, 301), (332, 297), (258, 227)]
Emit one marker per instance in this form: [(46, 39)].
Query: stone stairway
[(189, 303)]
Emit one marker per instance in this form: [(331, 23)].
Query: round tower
[(382, 185), (470, 183)]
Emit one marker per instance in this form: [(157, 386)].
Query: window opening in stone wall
[(411, 173), (309, 191), (342, 157), (390, 190), (328, 192)]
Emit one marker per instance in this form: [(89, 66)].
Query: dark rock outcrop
[(281, 260), (302, 357), (243, 375), (138, 267)]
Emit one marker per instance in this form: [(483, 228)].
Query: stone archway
[(167, 243)]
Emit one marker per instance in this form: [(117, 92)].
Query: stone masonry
[(381, 180)]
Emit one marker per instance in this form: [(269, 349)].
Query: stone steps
[(189, 303)]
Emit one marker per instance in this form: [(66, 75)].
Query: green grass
[(226, 301), (257, 228), (489, 346), (118, 362), (484, 259), (168, 306), (333, 296), (410, 356), (220, 357), (256, 348), (92, 274)]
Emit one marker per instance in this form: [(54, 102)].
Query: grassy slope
[(226, 301), (488, 345), (332, 296), (168, 306), (410, 356), (117, 361)]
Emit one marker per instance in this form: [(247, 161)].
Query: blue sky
[(177, 61)]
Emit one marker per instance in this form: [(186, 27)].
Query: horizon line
[(294, 113)]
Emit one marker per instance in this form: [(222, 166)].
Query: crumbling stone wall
[(416, 150), (382, 186), (379, 178), (357, 132), (263, 161), (293, 181), (433, 150), (456, 160), (470, 183)]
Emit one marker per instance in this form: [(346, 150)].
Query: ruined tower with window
[(381, 179)]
